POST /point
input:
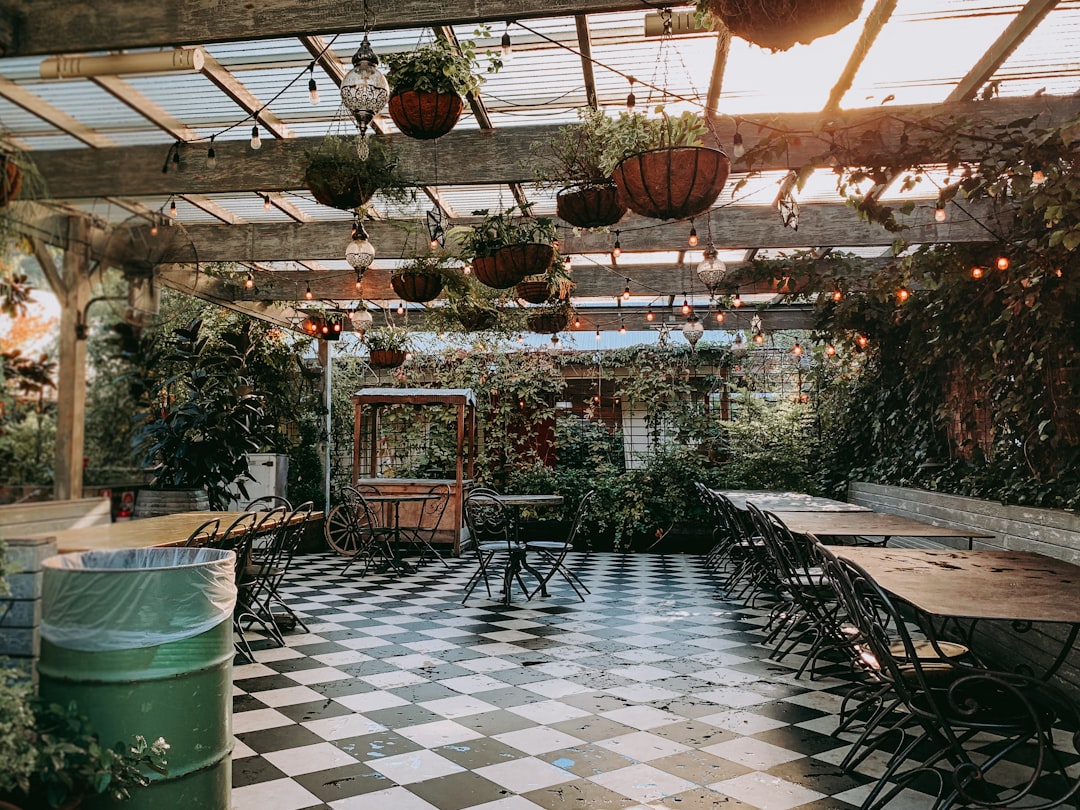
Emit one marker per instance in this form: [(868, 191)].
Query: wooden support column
[(72, 289)]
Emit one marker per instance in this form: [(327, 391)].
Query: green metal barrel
[(141, 640)]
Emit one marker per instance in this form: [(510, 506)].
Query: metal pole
[(329, 434)]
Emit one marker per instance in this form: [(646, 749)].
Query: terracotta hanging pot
[(11, 177), (417, 287), (547, 323), (489, 273), (534, 292), (524, 259), (477, 319), (424, 115), (779, 24), (674, 183), (386, 358), (590, 206)]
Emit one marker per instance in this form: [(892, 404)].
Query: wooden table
[(164, 530), (869, 524), (1020, 587), (786, 501)]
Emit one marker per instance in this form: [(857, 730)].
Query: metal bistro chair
[(204, 534), (491, 532), (954, 708), (286, 540), (266, 503), (360, 535), (554, 552), (431, 515)]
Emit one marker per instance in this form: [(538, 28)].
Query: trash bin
[(141, 640)]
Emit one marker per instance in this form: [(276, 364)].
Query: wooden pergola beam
[(468, 157), (55, 27)]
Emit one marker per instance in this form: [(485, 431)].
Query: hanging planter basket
[(477, 319), (417, 287), (674, 183), (779, 24), (547, 323), (425, 116), (590, 206), (11, 175), (488, 272), (338, 190), (386, 358), (524, 259), (534, 292)]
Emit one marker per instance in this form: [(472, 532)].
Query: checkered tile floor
[(654, 692)]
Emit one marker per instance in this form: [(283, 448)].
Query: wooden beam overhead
[(716, 80), (54, 116), (875, 21), (1015, 32), (244, 98), (54, 26), (584, 39), (467, 157), (733, 228)]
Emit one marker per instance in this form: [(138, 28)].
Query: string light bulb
[(172, 209), (837, 295), (692, 240), (626, 291), (830, 350), (650, 316), (977, 272), (616, 250), (797, 349), (631, 99), (862, 341), (307, 293), (719, 316), (211, 155), (1003, 263), (1038, 176), (737, 147), (506, 47), (249, 282), (622, 328), (153, 228), (567, 264), (939, 213), (685, 305), (400, 308), (256, 141), (312, 88), (759, 338), (577, 322), (266, 202), (597, 335), (736, 301), (902, 295)]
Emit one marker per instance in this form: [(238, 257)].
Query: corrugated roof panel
[(85, 101), (1046, 61)]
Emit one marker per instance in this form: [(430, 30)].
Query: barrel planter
[(11, 177), (338, 190), (533, 292), (141, 641), (674, 183), (524, 259), (590, 206), (154, 502), (547, 323), (779, 24), (423, 115), (386, 358), (417, 287), (491, 274)]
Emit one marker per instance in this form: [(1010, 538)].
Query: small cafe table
[(518, 560), (396, 562), (869, 524)]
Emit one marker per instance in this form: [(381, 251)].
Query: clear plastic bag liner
[(134, 598)]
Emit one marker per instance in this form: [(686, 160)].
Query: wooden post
[(72, 289)]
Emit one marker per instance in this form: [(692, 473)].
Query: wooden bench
[(24, 519)]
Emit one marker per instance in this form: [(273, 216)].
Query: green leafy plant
[(337, 175), (575, 153), (440, 67), (634, 132), (509, 227), (52, 755), (203, 417), (448, 267), (387, 338)]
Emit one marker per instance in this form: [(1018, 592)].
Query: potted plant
[(427, 85), (554, 285), (661, 166), (336, 176), (779, 24), (53, 758), (470, 306), (422, 278), (573, 160), (507, 246), (387, 346), (199, 420), (550, 318)]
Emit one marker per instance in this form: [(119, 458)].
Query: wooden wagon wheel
[(344, 532)]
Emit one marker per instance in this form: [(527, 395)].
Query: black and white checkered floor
[(654, 692)]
